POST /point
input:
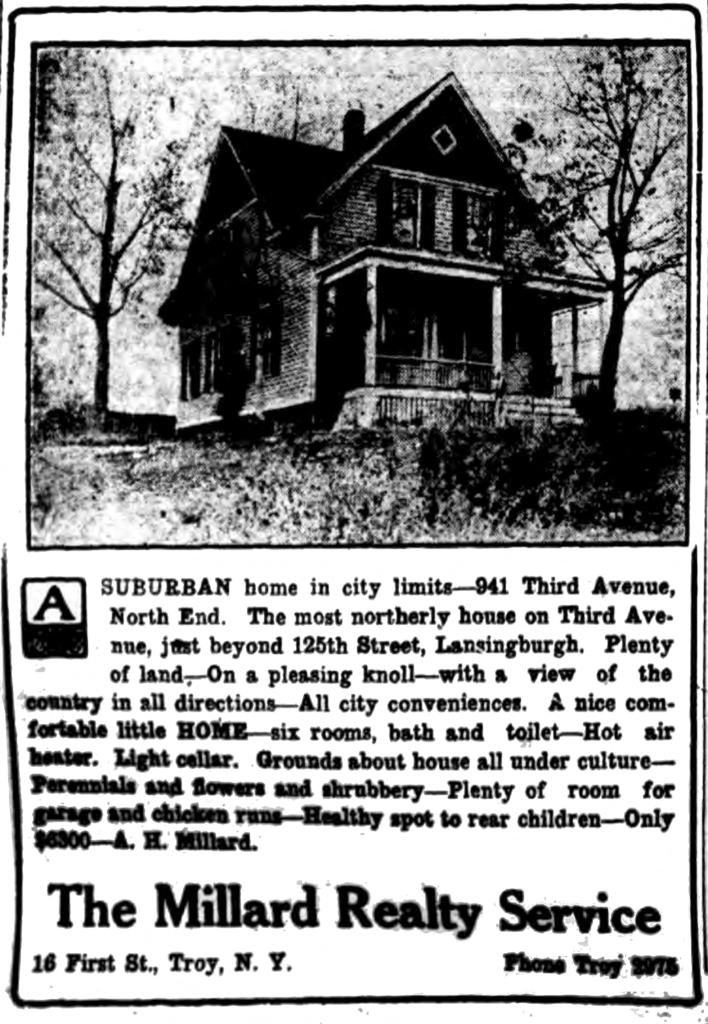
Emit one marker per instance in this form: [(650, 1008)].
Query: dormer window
[(444, 140)]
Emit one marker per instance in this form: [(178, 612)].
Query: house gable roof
[(227, 189), (378, 140), (286, 175), (290, 178)]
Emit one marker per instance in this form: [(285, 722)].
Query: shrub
[(405, 485), (627, 472)]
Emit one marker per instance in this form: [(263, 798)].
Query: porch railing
[(409, 372), (416, 408)]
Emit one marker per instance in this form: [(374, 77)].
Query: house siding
[(289, 272), (443, 218), (352, 221), (351, 217)]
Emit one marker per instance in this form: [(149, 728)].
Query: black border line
[(692, 174), (14, 769), (9, 109), (697, 786), (339, 8), (29, 279), (695, 804), (501, 545), (695, 789), (702, 704)]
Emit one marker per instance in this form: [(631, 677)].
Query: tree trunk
[(102, 310), (611, 351), (103, 353)]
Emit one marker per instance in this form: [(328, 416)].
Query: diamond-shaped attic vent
[(444, 140)]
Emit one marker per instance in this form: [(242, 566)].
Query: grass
[(410, 486)]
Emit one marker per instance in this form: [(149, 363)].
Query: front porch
[(433, 374), (369, 407), (415, 344)]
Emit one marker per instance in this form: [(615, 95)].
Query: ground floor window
[(407, 331), (439, 334), (268, 340), (202, 363), (429, 319)]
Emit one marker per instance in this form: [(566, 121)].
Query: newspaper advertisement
[(354, 539)]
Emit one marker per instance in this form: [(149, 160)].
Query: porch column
[(574, 343), (314, 312), (371, 331), (497, 350)]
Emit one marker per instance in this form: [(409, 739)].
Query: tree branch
[(74, 208), (73, 274), (45, 283), (607, 107), (597, 224), (149, 214), (646, 274), (127, 288), (612, 207), (109, 109), (650, 243), (650, 170), (626, 145), (586, 254), (578, 109), (86, 160)]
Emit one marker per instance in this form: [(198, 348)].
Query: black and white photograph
[(358, 294), (353, 571)]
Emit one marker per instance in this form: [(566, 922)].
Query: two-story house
[(397, 279)]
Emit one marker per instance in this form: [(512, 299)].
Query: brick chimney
[(353, 129)]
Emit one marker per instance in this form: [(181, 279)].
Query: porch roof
[(417, 261), (564, 291)]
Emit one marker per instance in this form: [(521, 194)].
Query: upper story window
[(406, 213), (512, 221), (473, 220), (444, 140)]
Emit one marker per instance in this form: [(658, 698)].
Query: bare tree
[(102, 221), (613, 173)]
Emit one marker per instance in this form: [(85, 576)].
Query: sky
[(260, 87)]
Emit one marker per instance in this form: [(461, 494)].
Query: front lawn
[(407, 486)]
